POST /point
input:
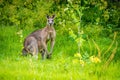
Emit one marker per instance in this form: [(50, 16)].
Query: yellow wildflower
[(78, 55), (95, 59), (82, 62)]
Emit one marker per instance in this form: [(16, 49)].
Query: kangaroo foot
[(49, 56)]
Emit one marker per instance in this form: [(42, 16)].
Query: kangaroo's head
[(50, 20)]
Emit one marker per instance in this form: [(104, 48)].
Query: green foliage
[(25, 13), (32, 12), (97, 12)]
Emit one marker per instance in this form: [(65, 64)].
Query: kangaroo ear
[(53, 16), (47, 16)]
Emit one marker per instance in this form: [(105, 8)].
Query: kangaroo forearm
[(52, 45)]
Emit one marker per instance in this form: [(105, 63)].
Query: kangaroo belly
[(48, 37)]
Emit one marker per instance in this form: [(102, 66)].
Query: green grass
[(59, 67)]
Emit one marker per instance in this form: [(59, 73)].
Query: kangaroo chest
[(50, 35)]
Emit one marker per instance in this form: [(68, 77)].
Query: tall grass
[(61, 66)]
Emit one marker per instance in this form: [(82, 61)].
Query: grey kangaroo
[(37, 41)]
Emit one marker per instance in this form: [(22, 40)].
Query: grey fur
[(37, 40)]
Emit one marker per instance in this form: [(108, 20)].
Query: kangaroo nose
[(50, 22)]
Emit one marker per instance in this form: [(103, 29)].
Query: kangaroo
[(37, 40), (30, 46)]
